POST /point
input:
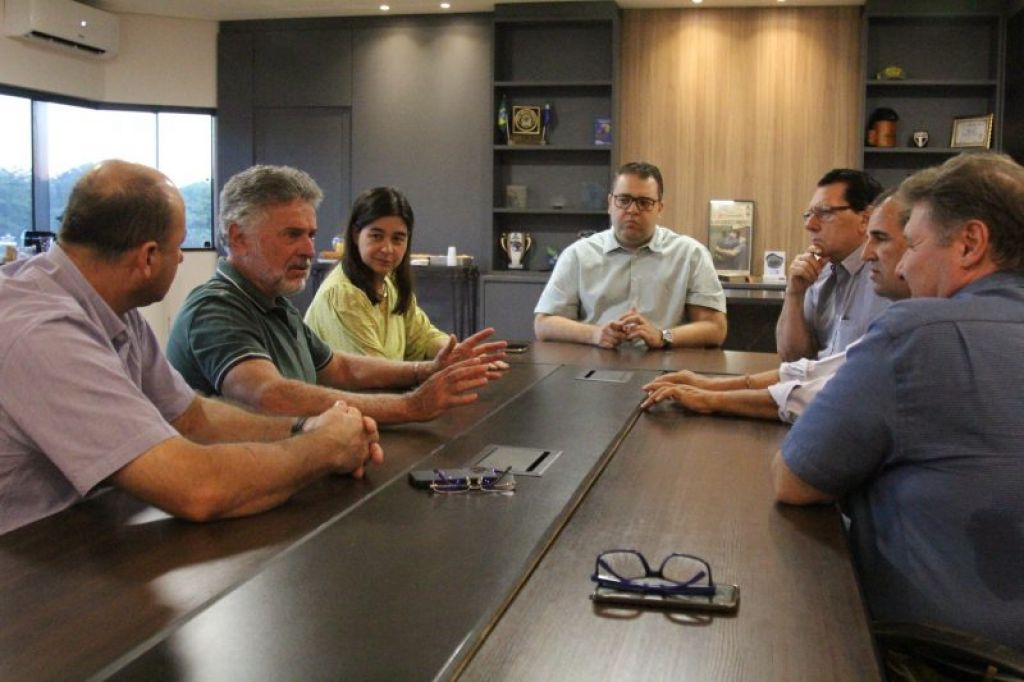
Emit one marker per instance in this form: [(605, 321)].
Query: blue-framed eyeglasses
[(481, 479), (627, 570)]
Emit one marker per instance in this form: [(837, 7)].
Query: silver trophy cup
[(515, 245)]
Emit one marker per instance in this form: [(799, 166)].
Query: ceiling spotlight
[(446, 5), (385, 8), (697, 2)]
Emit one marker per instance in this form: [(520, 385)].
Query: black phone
[(517, 347), (726, 598), (422, 478)]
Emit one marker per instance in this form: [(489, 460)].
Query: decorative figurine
[(920, 138), (546, 117)]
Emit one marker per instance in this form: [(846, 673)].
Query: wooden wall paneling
[(742, 104)]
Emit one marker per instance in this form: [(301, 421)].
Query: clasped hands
[(630, 326)]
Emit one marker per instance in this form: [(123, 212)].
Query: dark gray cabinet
[(952, 53), (507, 302)]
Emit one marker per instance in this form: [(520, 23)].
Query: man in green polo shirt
[(238, 336)]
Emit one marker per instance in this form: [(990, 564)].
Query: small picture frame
[(526, 125), (972, 132), (731, 235), (602, 132), (516, 196), (774, 266)]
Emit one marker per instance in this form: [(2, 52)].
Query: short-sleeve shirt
[(596, 281), (920, 434), (84, 390), (841, 304), (226, 321), (344, 317)]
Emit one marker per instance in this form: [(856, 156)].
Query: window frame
[(40, 181)]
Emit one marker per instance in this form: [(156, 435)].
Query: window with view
[(48, 145)]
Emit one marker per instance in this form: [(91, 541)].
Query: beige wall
[(161, 61), (741, 104)]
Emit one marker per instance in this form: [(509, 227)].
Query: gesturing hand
[(453, 385), (455, 352)]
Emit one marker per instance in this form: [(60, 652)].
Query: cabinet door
[(508, 307), (316, 140), (303, 68)]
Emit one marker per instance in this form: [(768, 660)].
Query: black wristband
[(299, 423)]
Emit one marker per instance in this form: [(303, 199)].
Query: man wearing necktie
[(829, 299)]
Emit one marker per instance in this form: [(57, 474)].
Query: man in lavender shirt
[(88, 399)]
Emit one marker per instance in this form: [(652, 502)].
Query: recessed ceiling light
[(446, 5), (697, 2), (385, 8)]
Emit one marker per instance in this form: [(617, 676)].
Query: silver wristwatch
[(666, 338)]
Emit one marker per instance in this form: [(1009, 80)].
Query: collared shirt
[(800, 381), (84, 391), (841, 304), (227, 321), (920, 433), (595, 280), (342, 315)]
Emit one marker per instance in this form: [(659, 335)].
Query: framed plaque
[(526, 125), (972, 131), (730, 235)]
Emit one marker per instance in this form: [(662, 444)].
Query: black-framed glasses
[(627, 570), (643, 204), (824, 213), (481, 479)]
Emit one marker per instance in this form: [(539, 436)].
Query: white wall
[(161, 61)]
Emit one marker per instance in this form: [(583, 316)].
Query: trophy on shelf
[(515, 245)]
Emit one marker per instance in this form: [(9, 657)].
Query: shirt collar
[(657, 243), (233, 276), (71, 279), (1003, 279), (855, 261)]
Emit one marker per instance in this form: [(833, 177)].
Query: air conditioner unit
[(63, 24)]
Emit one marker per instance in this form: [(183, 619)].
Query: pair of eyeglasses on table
[(480, 479), (682, 581)]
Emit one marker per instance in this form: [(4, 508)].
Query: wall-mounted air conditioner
[(63, 24)]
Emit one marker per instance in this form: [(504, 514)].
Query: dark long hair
[(372, 204)]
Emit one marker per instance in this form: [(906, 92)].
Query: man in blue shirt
[(920, 433)]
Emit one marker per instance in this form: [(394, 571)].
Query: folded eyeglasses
[(481, 479), (627, 570)]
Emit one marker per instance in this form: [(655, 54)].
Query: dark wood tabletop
[(697, 485), (374, 579), (703, 360), (104, 578)]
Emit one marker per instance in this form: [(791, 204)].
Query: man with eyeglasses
[(786, 393), (636, 282), (920, 433), (829, 300)]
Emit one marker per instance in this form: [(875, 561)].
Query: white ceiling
[(225, 10)]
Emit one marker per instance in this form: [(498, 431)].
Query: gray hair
[(983, 186), (246, 195)]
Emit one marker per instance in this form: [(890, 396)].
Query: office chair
[(914, 652)]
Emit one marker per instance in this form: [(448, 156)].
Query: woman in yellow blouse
[(366, 304)]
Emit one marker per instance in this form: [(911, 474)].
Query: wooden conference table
[(374, 579)]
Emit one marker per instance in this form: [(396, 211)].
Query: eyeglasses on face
[(628, 570), (643, 204), (481, 479), (824, 213)]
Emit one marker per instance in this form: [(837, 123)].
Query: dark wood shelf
[(602, 84), (910, 83), (550, 148), (948, 151), (552, 211)]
